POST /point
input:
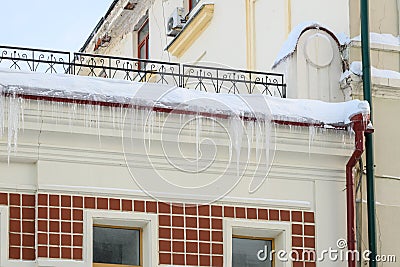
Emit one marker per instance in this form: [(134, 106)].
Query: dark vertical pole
[(366, 62)]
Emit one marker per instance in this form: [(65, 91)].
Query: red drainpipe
[(359, 127)]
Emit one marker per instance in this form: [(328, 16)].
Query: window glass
[(143, 32), (116, 245), (245, 250)]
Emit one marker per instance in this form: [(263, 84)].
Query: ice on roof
[(63, 86)]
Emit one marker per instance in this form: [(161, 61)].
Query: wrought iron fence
[(205, 78)]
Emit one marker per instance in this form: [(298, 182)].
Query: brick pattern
[(21, 225), (60, 226), (303, 238), (188, 235)]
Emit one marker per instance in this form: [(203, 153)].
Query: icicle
[(160, 122), (121, 117), (198, 132), (13, 124), (258, 140), (38, 111), (236, 130), (249, 131), (22, 110), (267, 139), (2, 112), (213, 125), (150, 121), (311, 135), (70, 114), (343, 139), (113, 117), (98, 123)]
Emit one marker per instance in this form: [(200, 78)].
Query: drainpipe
[(359, 126), (366, 62)]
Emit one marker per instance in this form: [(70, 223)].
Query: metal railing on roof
[(204, 78)]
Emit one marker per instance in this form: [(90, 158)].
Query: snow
[(144, 97), (343, 38), (378, 38), (345, 75), (356, 68), (166, 96), (289, 47)]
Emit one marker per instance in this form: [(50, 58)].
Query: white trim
[(148, 222), (132, 193), (280, 231)]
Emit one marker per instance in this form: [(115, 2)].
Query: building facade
[(71, 185), (385, 60)]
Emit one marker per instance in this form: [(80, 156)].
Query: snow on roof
[(62, 86), (379, 38), (356, 68), (290, 45)]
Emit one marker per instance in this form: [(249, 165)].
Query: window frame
[(257, 238), (280, 231), (191, 5), (143, 42), (140, 245), (147, 221)]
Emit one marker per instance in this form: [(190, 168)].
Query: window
[(193, 3), (143, 43), (245, 252), (117, 246)]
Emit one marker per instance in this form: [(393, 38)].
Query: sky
[(50, 24)]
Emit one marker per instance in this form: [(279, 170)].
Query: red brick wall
[(191, 235), (21, 225)]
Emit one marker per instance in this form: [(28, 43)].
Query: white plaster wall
[(224, 40), (73, 159)]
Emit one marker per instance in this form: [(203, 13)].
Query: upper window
[(143, 43), (245, 252), (193, 3), (113, 246)]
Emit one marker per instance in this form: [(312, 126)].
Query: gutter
[(360, 128)]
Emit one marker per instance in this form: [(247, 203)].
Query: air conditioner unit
[(176, 22), (131, 4)]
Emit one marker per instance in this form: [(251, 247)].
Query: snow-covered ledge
[(94, 93), (385, 51), (379, 41), (102, 91), (386, 83)]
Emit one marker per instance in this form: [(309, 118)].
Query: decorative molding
[(381, 87), (378, 47), (192, 30)]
